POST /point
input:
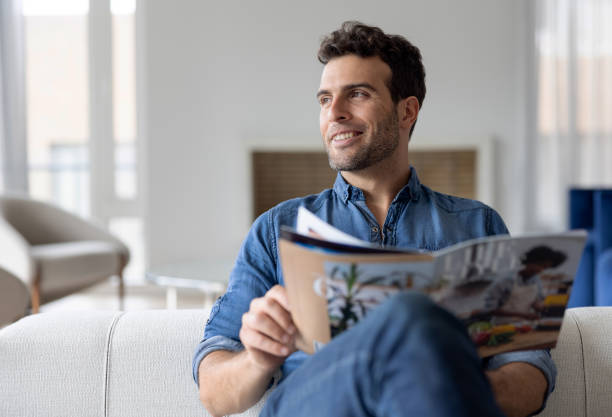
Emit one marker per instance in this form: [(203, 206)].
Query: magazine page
[(511, 293), (309, 224), (329, 291), (317, 243)]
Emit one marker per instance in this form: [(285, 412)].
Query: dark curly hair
[(404, 59), (544, 254)]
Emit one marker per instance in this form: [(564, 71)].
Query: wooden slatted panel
[(449, 172), (279, 176)]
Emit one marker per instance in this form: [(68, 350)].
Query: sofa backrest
[(111, 364)]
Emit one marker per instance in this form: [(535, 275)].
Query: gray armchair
[(54, 252)]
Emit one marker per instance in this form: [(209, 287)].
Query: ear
[(407, 111)]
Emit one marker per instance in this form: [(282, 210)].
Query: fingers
[(258, 341), (270, 307), (267, 326), (279, 294), (262, 322)]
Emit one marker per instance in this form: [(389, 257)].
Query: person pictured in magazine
[(408, 356), (521, 295)]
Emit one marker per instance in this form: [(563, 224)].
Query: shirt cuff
[(541, 359), (210, 345)]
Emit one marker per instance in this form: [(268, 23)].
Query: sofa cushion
[(54, 364), (102, 364)]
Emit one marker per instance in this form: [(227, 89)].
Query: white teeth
[(343, 136)]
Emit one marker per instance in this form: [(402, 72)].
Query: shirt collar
[(346, 191)]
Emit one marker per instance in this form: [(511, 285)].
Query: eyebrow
[(349, 87)]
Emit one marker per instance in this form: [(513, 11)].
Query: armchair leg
[(121, 291), (123, 260), (35, 295)]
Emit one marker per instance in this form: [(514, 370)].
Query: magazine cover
[(511, 292)]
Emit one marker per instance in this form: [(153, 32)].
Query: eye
[(323, 100), (358, 93)]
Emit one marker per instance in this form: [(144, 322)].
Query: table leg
[(171, 298), (210, 298)]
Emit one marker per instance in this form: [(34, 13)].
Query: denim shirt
[(418, 218)]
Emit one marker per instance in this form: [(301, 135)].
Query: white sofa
[(139, 364)]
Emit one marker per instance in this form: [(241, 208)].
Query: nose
[(338, 110)]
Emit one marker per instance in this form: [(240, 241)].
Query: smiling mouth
[(344, 136)]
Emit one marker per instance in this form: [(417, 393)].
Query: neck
[(380, 184)]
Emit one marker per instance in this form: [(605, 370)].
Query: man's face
[(358, 120)]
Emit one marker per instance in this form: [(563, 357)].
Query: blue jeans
[(408, 357)]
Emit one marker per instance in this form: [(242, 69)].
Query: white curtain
[(573, 143), (13, 159)]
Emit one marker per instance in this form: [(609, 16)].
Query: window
[(573, 146), (82, 141), (57, 112)]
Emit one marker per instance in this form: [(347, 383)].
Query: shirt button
[(375, 229)]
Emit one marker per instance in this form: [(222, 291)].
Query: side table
[(209, 276)]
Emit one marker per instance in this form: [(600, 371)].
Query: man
[(408, 357)]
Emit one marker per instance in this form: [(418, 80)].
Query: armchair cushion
[(74, 265)]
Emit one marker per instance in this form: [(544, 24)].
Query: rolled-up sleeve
[(253, 275), (212, 344), (541, 359)]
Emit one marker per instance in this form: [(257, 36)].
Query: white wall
[(220, 75)]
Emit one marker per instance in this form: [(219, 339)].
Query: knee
[(412, 320), (406, 308), (409, 304)]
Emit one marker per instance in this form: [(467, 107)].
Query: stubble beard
[(384, 143)]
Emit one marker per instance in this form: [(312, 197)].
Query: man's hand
[(231, 382), (519, 388), (267, 332)]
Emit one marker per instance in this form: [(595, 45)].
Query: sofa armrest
[(584, 361)]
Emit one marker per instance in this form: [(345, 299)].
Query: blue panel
[(603, 221), (603, 279), (591, 209), (581, 209), (582, 290)]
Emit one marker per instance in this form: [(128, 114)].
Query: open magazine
[(511, 292)]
